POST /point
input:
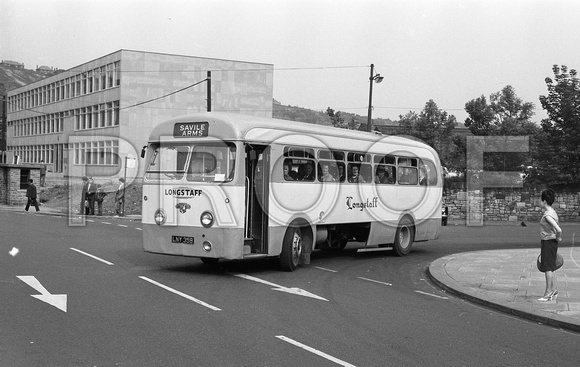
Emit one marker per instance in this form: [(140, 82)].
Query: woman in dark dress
[(551, 234)]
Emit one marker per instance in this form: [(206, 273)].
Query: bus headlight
[(160, 217), (206, 219), (207, 246)]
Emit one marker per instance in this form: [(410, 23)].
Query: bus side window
[(306, 171), (327, 171), (359, 173), (341, 174), (288, 173), (290, 170), (385, 174), (427, 173), (408, 176)]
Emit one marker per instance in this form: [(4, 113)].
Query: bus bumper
[(223, 243)]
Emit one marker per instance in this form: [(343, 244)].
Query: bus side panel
[(428, 229), (382, 233), (275, 240)]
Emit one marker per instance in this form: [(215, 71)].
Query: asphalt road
[(125, 307)]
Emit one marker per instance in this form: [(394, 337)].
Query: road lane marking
[(56, 300), (186, 296), (139, 229), (315, 351), (93, 256), (375, 281), (432, 295), (105, 222), (325, 269), (276, 287), (122, 225)]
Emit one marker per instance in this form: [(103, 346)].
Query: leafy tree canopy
[(436, 128), (558, 163), (505, 114)]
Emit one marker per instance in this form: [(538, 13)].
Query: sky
[(448, 51)]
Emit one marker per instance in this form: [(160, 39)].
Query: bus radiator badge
[(183, 207)]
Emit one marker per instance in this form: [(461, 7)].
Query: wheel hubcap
[(296, 246)]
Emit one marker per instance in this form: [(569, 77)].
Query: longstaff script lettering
[(361, 205)]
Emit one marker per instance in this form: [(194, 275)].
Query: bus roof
[(246, 127)]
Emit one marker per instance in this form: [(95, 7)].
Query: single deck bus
[(225, 186)]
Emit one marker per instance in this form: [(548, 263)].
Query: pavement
[(506, 280), (44, 210), (509, 281)]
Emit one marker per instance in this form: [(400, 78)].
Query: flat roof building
[(87, 120)]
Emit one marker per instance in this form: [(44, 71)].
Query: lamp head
[(378, 78)]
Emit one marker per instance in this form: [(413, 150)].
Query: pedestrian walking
[(551, 234), (31, 195), (120, 198)]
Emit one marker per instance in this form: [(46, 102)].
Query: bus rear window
[(196, 163)]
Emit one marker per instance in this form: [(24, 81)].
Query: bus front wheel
[(211, 261), (291, 249), (404, 237)]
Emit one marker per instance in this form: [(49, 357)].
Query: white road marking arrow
[(276, 287), (56, 300)]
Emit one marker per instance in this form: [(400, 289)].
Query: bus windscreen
[(194, 162)]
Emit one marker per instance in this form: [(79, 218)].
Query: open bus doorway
[(257, 179)]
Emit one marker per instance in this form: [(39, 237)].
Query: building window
[(24, 176)]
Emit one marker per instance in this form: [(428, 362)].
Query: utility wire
[(163, 96)]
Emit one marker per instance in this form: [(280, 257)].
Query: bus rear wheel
[(291, 249), (404, 237)]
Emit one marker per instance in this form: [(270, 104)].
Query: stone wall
[(511, 205)]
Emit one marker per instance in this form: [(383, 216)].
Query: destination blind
[(190, 129)]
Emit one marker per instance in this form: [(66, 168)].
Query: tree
[(343, 120), (335, 117), (436, 128), (505, 115), (558, 163)]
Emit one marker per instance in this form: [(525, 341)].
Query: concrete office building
[(87, 120)]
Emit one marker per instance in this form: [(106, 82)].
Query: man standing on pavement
[(91, 195), (120, 198), (84, 206), (42, 173), (31, 195)]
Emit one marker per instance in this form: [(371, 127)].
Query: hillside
[(295, 113), (13, 77)]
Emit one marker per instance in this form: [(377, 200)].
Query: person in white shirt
[(120, 198)]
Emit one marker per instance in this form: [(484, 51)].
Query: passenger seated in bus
[(326, 176), (341, 176), (423, 176), (195, 170), (287, 175), (382, 175), (355, 175), (308, 174)]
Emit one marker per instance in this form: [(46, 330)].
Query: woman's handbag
[(559, 262)]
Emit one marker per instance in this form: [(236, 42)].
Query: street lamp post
[(208, 91), (377, 79)]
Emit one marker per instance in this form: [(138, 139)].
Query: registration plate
[(182, 239)]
